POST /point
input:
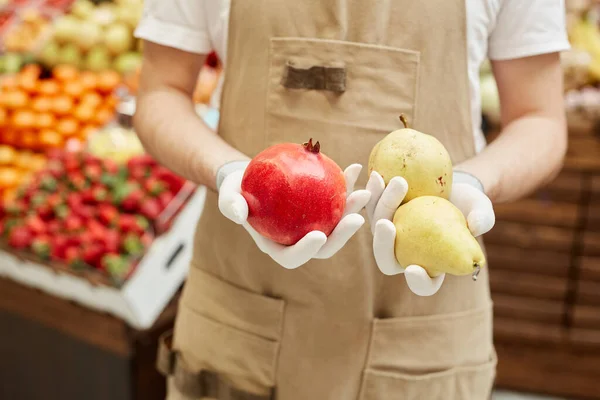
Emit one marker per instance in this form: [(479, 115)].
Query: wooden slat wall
[(544, 257)]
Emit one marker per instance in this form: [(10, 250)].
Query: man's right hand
[(314, 244)]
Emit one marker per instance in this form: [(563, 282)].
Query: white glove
[(467, 195), (314, 244)]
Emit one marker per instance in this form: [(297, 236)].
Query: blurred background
[(95, 236)]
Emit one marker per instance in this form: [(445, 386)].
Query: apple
[(89, 35), (128, 62), (118, 38), (69, 54), (66, 28), (97, 59)]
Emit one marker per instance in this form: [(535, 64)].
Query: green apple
[(127, 62), (70, 54), (118, 38), (98, 59)]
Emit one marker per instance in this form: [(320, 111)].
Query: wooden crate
[(544, 256), (53, 349)]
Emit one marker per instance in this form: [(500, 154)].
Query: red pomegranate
[(293, 189)]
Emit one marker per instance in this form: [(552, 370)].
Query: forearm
[(174, 134), (527, 154)]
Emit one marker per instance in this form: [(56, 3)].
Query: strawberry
[(41, 247), (45, 212), (86, 212), (110, 166), (58, 246), (150, 208), (143, 160), (165, 198), (139, 172), (100, 193), (93, 172), (154, 187), (96, 229), (61, 211), (20, 237), (132, 201), (73, 257), (38, 200), (92, 254), (174, 182), (132, 245), (36, 225), (73, 223), (116, 265), (15, 207), (77, 181), (55, 168), (133, 223), (54, 226), (74, 200), (10, 224), (111, 241), (107, 214), (54, 199), (55, 154), (48, 184), (71, 163)]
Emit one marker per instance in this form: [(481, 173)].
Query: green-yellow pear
[(417, 157), (432, 233)]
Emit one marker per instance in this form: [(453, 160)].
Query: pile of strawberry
[(89, 212)]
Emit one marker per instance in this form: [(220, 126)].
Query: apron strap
[(200, 384)]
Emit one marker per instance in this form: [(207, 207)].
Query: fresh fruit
[(41, 247), (419, 158), (20, 237), (118, 38), (432, 233), (293, 189), (150, 208)]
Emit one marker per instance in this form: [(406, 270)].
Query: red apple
[(293, 189)]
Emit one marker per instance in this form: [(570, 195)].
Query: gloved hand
[(314, 244), (467, 195)]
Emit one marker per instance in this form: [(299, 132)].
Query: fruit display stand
[(545, 278)]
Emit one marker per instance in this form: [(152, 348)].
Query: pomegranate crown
[(312, 148)]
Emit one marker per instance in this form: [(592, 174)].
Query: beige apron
[(341, 72)]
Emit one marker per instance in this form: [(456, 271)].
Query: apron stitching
[(367, 362), (268, 93), (416, 91)]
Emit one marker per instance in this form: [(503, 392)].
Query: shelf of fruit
[(91, 35), (92, 217)]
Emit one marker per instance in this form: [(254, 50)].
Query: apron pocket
[(230, 332), (448, 356), (330, 89), (464, 383)]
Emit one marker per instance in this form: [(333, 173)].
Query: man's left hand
[(467, 195)]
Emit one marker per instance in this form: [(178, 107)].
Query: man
[(319, 320)]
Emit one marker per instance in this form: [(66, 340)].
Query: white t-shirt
[(497, 29)]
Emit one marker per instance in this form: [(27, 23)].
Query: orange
[(45, 120), (111, 101), (32, 70), (9, 177), (73, 89), (28, 83), (24, 159), (10, 136), (67, 126), (84, 113), (91, 99), (88, 80), (23, 119), (41, 104), (87, 131), (3, 117), (49, 87), (103, 116), (28, 140), (38, 162), (65, 73), (62, 105), (50, 139), (108, 81), (8, 155), (8, 83), (14, 99)]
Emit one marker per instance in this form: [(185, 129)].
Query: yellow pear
[(432, 233), (417, 157)]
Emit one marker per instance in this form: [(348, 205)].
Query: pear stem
[(476, 272), (316, 148), (404, 120)]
